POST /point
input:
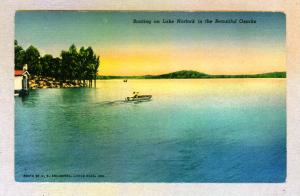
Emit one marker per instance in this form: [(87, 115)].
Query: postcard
[(150, 96)]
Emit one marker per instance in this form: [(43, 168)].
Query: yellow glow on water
[(189, 88)]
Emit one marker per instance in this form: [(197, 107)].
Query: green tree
[(56, 70), (51, 66), (89, 63), (47, 63), (32, 58), (82, 62), (73, 65), (19, 56), (69, 63)]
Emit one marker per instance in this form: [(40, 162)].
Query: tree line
[(73, 64)]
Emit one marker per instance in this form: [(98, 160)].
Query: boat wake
[(121, 102), (116, 102)]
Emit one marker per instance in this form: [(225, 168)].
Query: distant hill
[(263, 75), (186, 74), (180, 75)]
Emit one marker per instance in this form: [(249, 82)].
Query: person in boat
[(135, 94)]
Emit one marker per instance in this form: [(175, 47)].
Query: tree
[(82, 61), (32, 58), (19, 56), (47, 63), (89, 63), (56, 69), (73, 65), (69, 63)]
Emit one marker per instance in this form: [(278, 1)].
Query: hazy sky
[(126, 48)]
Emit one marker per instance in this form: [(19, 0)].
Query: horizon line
[(197, 72)]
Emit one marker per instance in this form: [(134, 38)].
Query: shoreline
[(187, 78), (190, 74), (40, 82)]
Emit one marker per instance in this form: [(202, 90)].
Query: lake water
[(200, 130)]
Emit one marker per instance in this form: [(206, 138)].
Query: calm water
[(214, 130)]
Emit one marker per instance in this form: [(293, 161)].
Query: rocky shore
[(49, 82)]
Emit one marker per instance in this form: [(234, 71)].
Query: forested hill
[(185, 74), (181, 74)]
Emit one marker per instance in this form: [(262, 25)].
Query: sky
[(127, 48)]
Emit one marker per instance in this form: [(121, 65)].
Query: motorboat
[(137, 97)]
